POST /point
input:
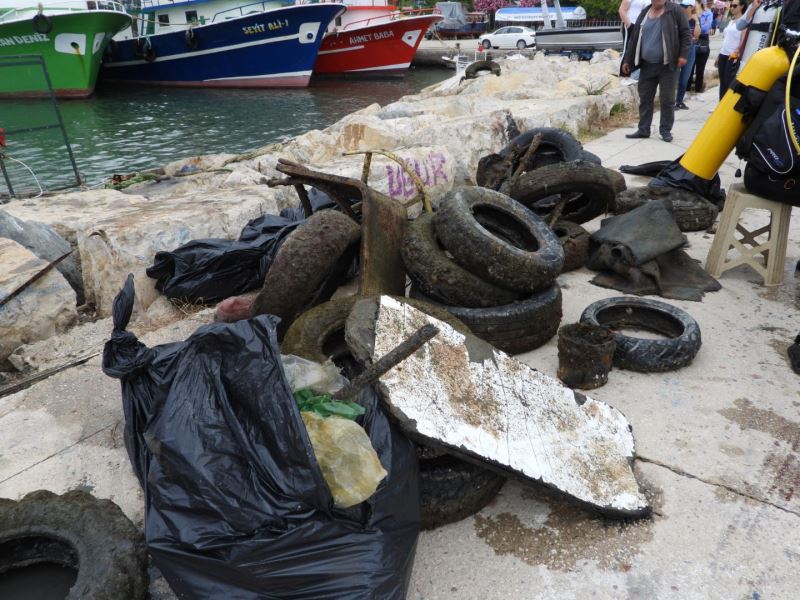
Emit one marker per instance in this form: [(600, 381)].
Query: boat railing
[(393, 16), (65, 6), (247, 9), (577, 24)]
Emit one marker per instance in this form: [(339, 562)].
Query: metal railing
[(28, 60), (63, 6)]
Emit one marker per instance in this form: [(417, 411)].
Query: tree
[(602, 9), (489, 6)]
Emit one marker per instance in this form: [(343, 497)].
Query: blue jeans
[(686, 72)]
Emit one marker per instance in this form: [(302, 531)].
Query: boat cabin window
[(163, 19), (338, 21), (191, 16)]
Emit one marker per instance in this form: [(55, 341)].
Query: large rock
[(46, 307), (45, 243), (117, 233)]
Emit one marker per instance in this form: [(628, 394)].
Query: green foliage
[(617, 109), (607, 10)]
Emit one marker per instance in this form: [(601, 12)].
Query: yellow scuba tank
[(725, 126)]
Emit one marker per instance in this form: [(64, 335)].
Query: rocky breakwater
[(440, 133)]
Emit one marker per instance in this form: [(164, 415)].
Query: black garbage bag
[(210, 270), (236, 506)]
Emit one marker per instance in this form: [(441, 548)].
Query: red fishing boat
[(372, 38)]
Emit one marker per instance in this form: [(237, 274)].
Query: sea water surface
[(122, 129)]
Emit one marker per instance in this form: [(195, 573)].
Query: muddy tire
[(691, 211), (517, 327), (316, 334), (591, 157), (439, 276), (303, 263), (451, 489), (78, 531), (525, 268), (575, 241), (472, 70), (540, 190), (647, 355), (556, 146)]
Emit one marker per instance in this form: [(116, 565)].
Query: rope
[(36, 179)]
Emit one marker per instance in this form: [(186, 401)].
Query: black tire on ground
[(647, 355), (317, 333), (691, 211), (517, 327), (451, 489), (80, 532), (302, 264), (472, 70), (439, 276), (525, 268), (556, 146), (540, 190), (575, 241)]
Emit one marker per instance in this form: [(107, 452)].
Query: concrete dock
[(718, 442)]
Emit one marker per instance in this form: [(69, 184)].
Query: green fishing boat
[(70, 36)]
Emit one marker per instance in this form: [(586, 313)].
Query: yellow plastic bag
[(348, 461)]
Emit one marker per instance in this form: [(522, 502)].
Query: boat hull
[(384, 49), (72, 52), (276, 48), (580, 38)]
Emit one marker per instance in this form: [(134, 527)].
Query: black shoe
[(681, 106), (636, 135), (667, 137)]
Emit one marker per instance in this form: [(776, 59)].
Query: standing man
[(659, 47), (629, 11)]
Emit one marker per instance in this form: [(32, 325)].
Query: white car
[(509, 37)]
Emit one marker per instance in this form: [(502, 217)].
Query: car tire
[(451, 489), (539, 190), (514, 328), (439, 276), (556, 146), (691, 211), (521, 45), (487, 45), (314, 334), (81, 532), (647, 355), (524, 268), (472, 70), (303, 262)]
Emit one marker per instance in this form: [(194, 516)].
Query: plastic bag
[(349, 463), (236, 503), (321, 378), (212, 269)]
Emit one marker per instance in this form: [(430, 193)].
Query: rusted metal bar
[(33, 279), (304, 200), (532, 147), (365, 168), (388, 361), (421, 195)]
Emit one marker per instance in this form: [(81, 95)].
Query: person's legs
[(700, 66), (648, 82), (724, 83), (667, 84), (683, 78)]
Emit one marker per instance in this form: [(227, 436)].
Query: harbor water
[(125, 129)]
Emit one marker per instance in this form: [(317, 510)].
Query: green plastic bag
[(325, 406)]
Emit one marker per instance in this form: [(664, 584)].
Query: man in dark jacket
[(658, 47)]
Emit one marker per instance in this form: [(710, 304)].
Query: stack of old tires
[(490, 262)]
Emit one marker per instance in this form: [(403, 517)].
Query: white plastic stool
[(748, 247)]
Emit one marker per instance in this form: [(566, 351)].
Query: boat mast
[(559, 17)]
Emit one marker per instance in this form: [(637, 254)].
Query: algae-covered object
[(348, 461)]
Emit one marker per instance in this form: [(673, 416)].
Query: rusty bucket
[(585, 353)]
